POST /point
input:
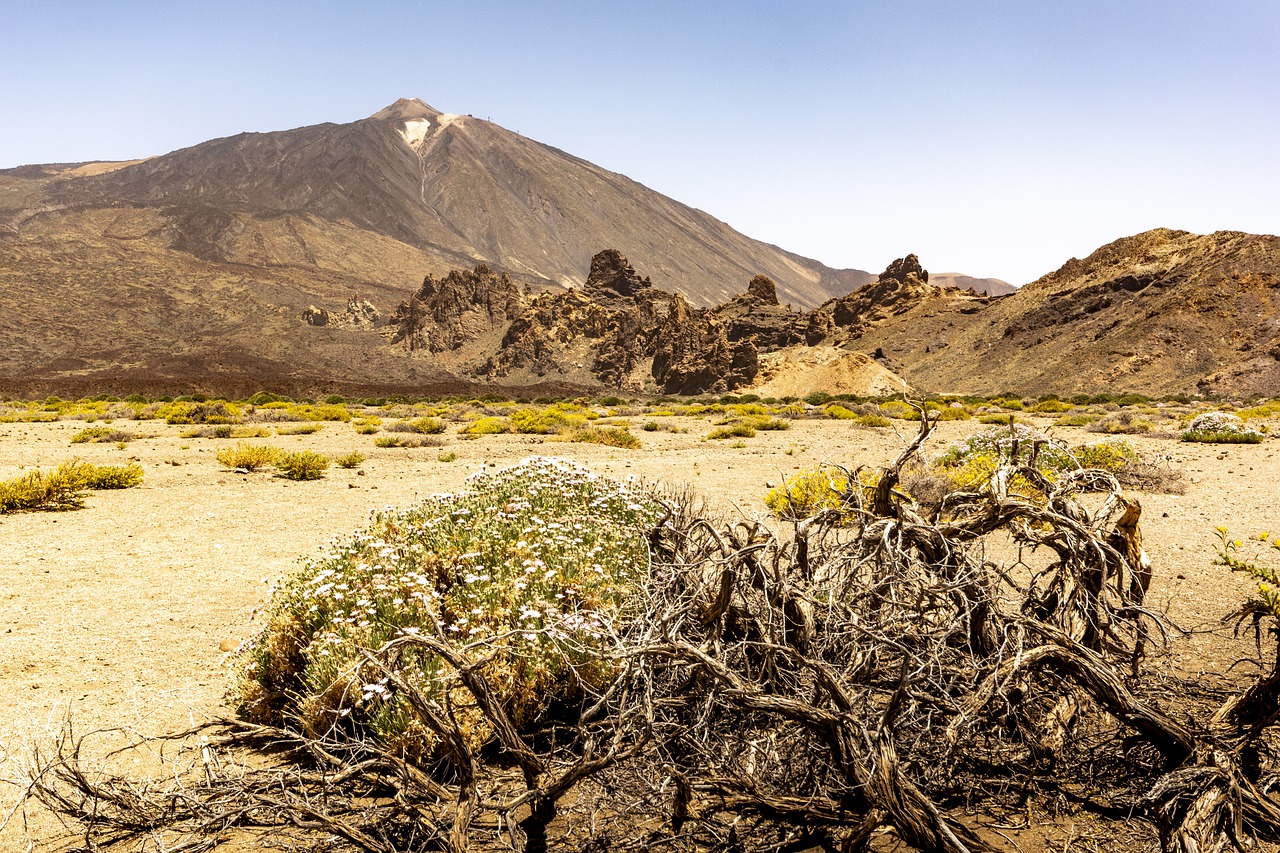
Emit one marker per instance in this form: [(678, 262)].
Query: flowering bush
[(1220, 428), (998, 443), (530, 568), (1267, 599)]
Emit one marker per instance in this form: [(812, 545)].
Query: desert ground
[(124, 615)]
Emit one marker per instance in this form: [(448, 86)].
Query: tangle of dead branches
[(864, 671)]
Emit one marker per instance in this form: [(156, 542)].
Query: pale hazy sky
[(993, 138)]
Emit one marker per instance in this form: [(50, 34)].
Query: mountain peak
[(406, 108)]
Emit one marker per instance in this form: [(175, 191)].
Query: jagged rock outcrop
[(903, 283), (613, 280), (448, 312), (757, 315), (693, 354), (359, 314)]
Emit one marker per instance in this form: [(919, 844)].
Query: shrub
[(974, 459), (817, 398), (738, 430), (813, 490), (101, 435), (839, 413), (366, 429), (533, 567), (651, 426), (446, 456), (1121, 423), (1220, 428), (248, 457), (349, 460), (1050, 407), (111, 476), (1082, 419), (302, 465), (766, 424), (873, 420), (547, 421), (407, 441), (63, 488), (1112, 454), (900, 411), (300, 429), (191, 412), (486, 425), (609, 436), (953, 413)]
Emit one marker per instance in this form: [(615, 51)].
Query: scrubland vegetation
[(549, 659)]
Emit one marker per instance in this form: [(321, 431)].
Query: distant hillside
[(960, 281), (1162, 312)]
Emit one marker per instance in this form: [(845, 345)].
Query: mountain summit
[(454, 189)]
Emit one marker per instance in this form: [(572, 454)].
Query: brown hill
[(1162, 312)]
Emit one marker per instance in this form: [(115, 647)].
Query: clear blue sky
[(992, 138)]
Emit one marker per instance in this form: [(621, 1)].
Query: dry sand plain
[(122, 614)]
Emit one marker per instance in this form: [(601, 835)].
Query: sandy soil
[(123, 614)]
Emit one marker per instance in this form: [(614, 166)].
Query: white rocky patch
[(415, 130)]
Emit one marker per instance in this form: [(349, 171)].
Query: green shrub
[(873, 420), (446, 456), (302, 465), (953, 413), (248, 457), (366, 429), (817, 398), (531, 568), (766, 424), (102, 435), (609, 436), (386, 441), (651, 426), (839, 413), (349, 460)]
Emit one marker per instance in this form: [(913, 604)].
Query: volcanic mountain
[(454, 189)]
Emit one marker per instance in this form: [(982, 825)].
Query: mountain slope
[(1162, 312), (458, 189)]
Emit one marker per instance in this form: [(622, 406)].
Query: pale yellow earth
[(123, 614)]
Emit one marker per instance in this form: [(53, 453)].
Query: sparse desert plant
[(446, 456), (407, 441), (421, 426), (813, 490), (215, 431), (366, 429), (1077, 419), (102, 435), (1121, 423), (609, 436), (1050, 407), (738, 430), (766, 424), (101, 477), (530, 567), (301, 465), (486, 425), (310, 428), (651, 426), (875, 421), (1220, 428), (899, 410), (192, 412), (349, 460), (248, 457), (839, 413), (63, 488)]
